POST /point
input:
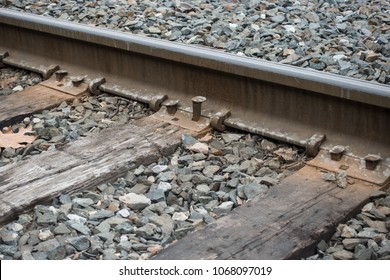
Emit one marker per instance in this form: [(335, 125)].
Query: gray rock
[(84, 202), (125, 228), (210, 170), (102, 227), (9, 237), (164, 221), (61, 229), (101, 214), (135, 201), (362, 252), (368, 233), (46, 218), (74, 218), (278, 18), (139, 189), (385, 201), (52, 248), (79, 227), (114, 221), (341, 180), (156, 195), (145, 231), (224, 208), (81, 243), (254, 189), (8, 250)]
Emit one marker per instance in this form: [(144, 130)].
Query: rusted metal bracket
[(61, 81), (45, 71)]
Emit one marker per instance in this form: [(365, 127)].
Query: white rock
[(165, 186), (18, 88), (180, 216), (76, 218), (124, 213), (159, 168), (200, 148), (290, 28), (45, 235)]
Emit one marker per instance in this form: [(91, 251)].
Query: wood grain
[(84, 164), (16, 106), (285, 224)]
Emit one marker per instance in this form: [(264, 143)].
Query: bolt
[(197, 107), (337, 152), (372, 161), (60, 74), (171, 106)]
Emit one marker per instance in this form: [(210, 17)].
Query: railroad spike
[(171, 106), (197, 107), (60, 74), (337, 152), (372, 161)]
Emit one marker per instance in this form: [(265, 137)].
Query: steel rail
[(283, 102)]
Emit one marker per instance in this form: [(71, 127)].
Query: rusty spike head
[(372, 161), (337, 152)]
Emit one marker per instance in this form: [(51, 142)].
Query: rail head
[(292, 76)]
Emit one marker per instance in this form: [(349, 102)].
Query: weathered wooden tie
[(84, 164), (32, 100), (285, 224)]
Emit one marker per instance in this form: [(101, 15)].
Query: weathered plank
[(34, 99), (285, 224), (84, 164)]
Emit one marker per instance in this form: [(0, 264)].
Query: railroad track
[(342, 124)]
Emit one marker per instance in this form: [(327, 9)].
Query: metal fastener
[(171, 106), (337, 152), (372, 161), (60, 74), (76, 81), (197, 107), (314, 143)]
